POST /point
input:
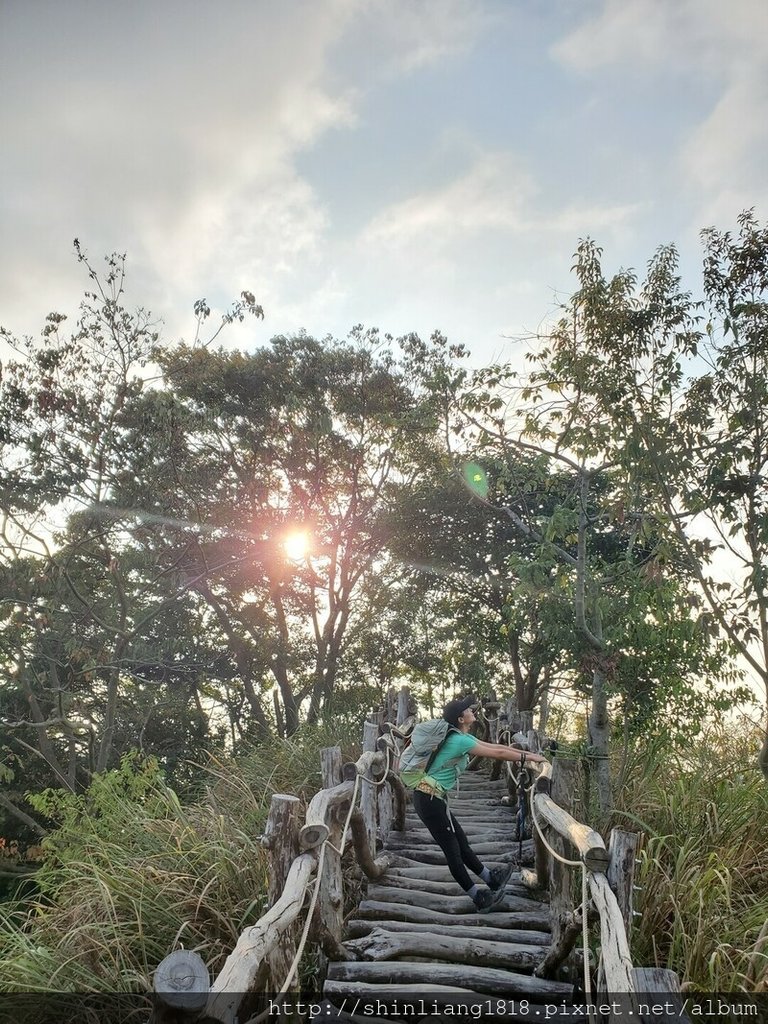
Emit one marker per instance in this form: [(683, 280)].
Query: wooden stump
[(330, 767), (368, 793), (564, 881), (650, 980), (181, 985), (281, 838), (622, 849), (403, 701)]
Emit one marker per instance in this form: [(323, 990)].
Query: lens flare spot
[(476, 479)]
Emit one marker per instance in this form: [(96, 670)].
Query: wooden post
[(385, 808), (392, 705), (564, 881), (402, 704), (539, 877), (648, 980), (330, 767), (493, 707), (368, 794), (622, 850), (181, 984), (281, 839), (329, 912), (493, 721)]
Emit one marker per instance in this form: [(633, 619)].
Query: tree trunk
[(599, 734)]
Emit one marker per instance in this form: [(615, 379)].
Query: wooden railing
[(562, 845), (304, 859)]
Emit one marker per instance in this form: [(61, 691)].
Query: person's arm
[(501, 753)]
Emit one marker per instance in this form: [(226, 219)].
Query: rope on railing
[(313, 902), (584, 885), (310, 912)]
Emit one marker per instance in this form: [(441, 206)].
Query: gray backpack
[(426, 740)]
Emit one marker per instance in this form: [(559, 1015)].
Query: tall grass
[(703, 871), (130, 873)]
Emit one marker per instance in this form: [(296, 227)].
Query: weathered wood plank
[(241, 967), (617, 961), (447, 904), (447, 947), (478, 979), (384, 911), (589, 843), (357, 928), (315, 828)]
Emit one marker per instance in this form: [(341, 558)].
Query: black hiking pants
[(449, 836)]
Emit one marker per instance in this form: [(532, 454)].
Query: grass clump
[(130, 873), (703, 883)]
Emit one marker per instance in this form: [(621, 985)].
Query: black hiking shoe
[(500, 877), (486, 901)]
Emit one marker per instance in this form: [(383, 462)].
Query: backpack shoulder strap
[(451, 729)]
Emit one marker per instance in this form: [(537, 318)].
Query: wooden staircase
[(419, 939)]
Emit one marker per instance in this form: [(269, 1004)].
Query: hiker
[(430, 803)]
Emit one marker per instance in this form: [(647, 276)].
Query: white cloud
[(172, 136), (724, 158), (698, 34), (721, 159), (493, 194), (401, 36)]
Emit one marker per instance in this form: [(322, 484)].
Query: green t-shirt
[(458, 743)]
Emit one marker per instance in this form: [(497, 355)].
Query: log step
[(416, 836), (434, 855), (357, 928), (382, 910), (434, 872), (447, 947), (442, 888), (400, 863), (480, 848), (449, 904), (491, 980)]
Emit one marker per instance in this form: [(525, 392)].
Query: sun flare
[(296, 545)]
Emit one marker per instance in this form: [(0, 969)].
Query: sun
[(296, 545)]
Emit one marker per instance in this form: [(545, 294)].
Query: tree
[(88, 618), (473, 554), (301, 435), (602, 541)]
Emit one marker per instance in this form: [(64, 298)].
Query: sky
[(407, 164)]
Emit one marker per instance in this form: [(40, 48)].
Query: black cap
[(455, 708)]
